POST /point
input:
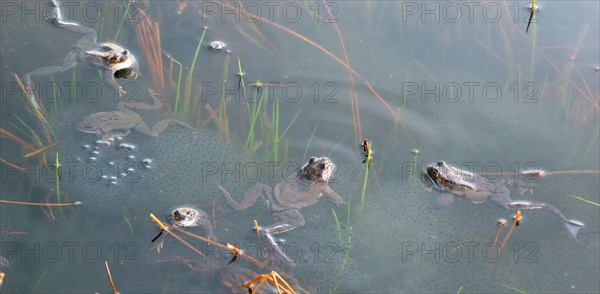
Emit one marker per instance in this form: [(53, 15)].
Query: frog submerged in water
[(114, 60), (455, 182), (289, 196), (108, 125)]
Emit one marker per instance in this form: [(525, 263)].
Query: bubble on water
[(86, 147), (95, 152), (111, 163), (92, 159), (104, 177), (122, 175), (131, 169), (216, 46), (113, 178), (130, 147), (118, 138), (112, 183), (147, 161), (123, 146), (130, 157), (98, 142)]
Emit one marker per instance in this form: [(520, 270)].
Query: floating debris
[(216, 46)]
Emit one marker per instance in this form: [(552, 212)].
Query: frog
[(454, 182), (112, 59), (286, 199), (112, 124), (186, 216)]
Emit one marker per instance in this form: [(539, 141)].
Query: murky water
[(466, 86)]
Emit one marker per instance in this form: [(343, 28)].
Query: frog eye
[(322, 165), (176, 214), (125, 53), (312, 160)]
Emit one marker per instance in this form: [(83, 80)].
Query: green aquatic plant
[(253, 113), (190, 77), (514, 289), (310, 140), (125, 16), (57, 170), (178, 87), (530, 15), (584, 200), (367, 163)]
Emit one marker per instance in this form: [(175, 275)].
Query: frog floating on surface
[(455, 182), (189, 216), (289, 196), (114, 60)]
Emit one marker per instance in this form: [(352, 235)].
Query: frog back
[(297, 194)]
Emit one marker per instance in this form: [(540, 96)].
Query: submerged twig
[(110, 279), (77, 203)]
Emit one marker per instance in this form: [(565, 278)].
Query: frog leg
[(502, 200), (160, 127), (257, 191), (56, 18), (443, 200), (571, 226), (333, 196), (156, 103), (109, 79), (208, 228), (288, 220), (274, 253)]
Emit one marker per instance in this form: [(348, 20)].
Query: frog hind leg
[(288, 220), (55, 16), (160, 127), (156, 103), (445, 199), (274, 253), (571, 226), (208, 228), (502, 200), (257, 191)]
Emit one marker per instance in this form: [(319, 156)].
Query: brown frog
[(455, 182), (289, 196), (114, 60), (108, 125), (189, 216)]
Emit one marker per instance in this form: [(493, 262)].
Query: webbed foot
[(572, 227)]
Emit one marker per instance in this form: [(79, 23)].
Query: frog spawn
[(114, 170)]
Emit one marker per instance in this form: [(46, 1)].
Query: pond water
[(422, 81)]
